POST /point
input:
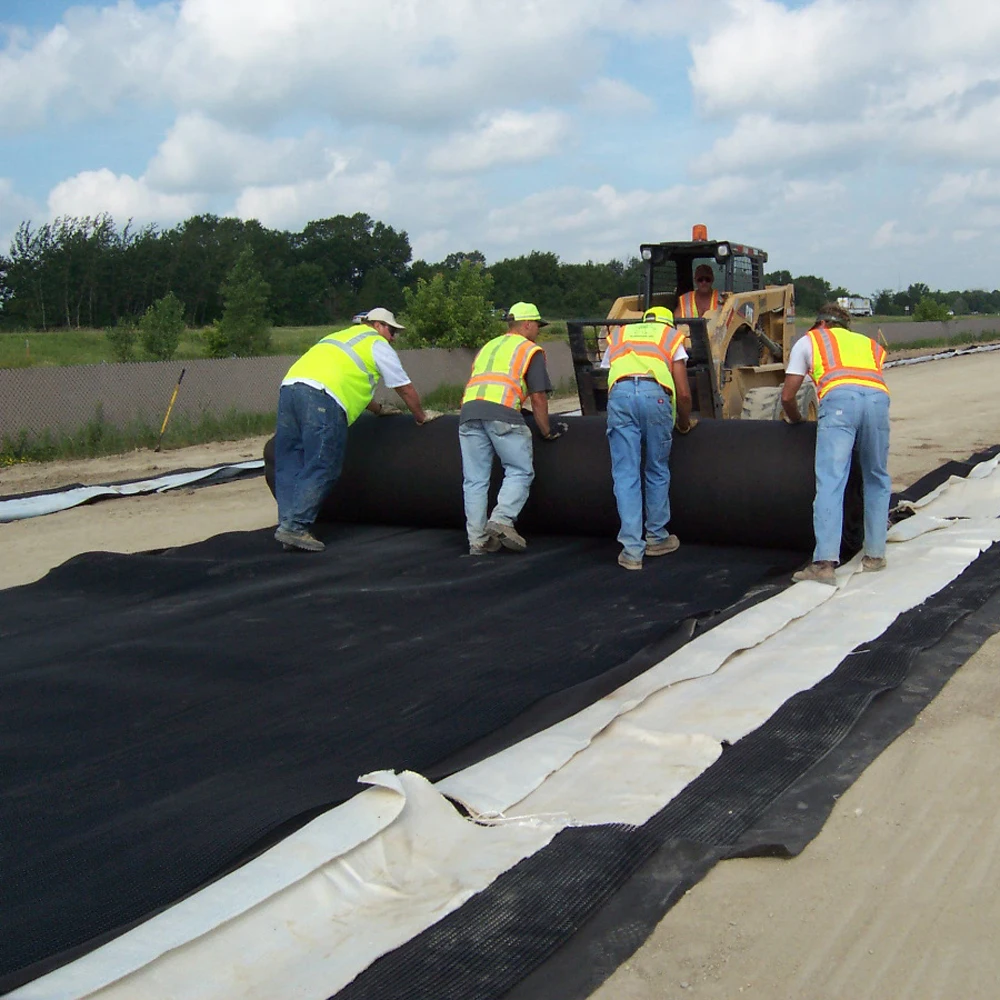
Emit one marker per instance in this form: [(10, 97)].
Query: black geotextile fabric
[(163, 714), (732, 482), (509, 940)]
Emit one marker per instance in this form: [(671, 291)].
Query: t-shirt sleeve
[(389, 366), (680, 354), (536, 378), (800, 358)]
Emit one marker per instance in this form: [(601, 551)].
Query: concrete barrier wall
[(38, 399)]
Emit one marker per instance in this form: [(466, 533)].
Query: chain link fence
[(49, 412)]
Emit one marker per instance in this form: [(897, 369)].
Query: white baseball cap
[(381, 315)]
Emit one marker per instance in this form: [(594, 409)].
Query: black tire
[(808, 400), (762, 404)]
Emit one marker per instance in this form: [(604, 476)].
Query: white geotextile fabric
[(619, 760), (48, 503)]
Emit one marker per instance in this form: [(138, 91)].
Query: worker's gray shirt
[(536, 378)]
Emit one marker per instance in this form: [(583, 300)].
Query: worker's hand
[(386, 410), (692, 423), (788, 419), (556, 430), (429, 415)]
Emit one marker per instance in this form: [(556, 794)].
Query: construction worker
[(648, 395), (704, 297), (506, 371), (324, 392), (853, 415)]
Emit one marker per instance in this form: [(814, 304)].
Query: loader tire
[(762, 404), (808, 401)]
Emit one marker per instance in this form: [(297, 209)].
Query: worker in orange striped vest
[(702, 299), (648, 394), (853, 417), (507, 371)]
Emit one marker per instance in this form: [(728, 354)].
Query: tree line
[(89, 272)]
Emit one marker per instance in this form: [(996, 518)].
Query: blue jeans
[(309, 447), (480, 440), (851, 417), (640, 413)]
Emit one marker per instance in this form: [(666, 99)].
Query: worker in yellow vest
[(648, 395), (703, 299), (324, 392), (853, 416), (507, 370)]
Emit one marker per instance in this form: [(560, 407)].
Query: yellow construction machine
[(736, 353)]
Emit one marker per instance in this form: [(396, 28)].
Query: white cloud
[(889, 236), (203, 155), (610, 96), (93, 192), (503, 138)]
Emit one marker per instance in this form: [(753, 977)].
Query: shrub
[(161, 327), (929, 310), (122, 338), (453, 310)]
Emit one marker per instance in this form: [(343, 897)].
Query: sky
[(858, 140)]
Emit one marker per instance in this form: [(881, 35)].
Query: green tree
[(452, 310), (161, 327), (245, 329), (959, 306)]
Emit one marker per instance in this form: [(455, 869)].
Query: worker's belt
[(642, 378)]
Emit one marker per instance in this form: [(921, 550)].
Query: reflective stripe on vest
[(644, 349), (841, 357), (345, 364), (499, 369), (686, 308)]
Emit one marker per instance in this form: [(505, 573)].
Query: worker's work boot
[(490, 545), (508, 537), (662, 546), (820, 572), (872, 564), (303, 540), (628, 562)]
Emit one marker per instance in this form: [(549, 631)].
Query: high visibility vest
[(644, 349), (686, 308), (345, 365), (499, 369), (841, 357)]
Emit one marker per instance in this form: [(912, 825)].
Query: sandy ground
[(897, 897)]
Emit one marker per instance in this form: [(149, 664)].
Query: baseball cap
[(521, 311), (381, 315), (658, 314)]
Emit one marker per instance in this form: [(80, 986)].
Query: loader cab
[(668, 268)]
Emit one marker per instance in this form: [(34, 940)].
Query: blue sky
[(855, 139)]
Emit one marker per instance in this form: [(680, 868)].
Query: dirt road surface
[(897, 897)]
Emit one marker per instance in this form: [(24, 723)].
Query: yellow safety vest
[(499, 369), (841, 357), (686, 308), (345, 365), (644, 349)]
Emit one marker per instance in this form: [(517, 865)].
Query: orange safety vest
[(499, 369), (644, 349), (841, 357), (686, 308)]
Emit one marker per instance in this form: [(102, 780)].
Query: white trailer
[(856, 305)]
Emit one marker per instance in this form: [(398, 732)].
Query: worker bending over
[(853, 415), (324, 392), (506, 371), (648, 394)]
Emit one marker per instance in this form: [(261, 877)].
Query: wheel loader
[(736, 353)]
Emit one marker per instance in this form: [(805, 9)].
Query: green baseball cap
[(521, 311)]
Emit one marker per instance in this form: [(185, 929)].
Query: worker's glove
[(556, 430), (387, 410), (692, 423), (429, 415)]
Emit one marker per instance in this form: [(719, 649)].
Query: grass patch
[(959, 340), (444, 397), (97, 438)]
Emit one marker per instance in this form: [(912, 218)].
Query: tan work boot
[(662, 546), (627, 562), (819, 572), (303, 540), (509, 538), (872, 564), (490, 545)]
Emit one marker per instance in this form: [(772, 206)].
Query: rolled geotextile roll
[(733, 482)]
